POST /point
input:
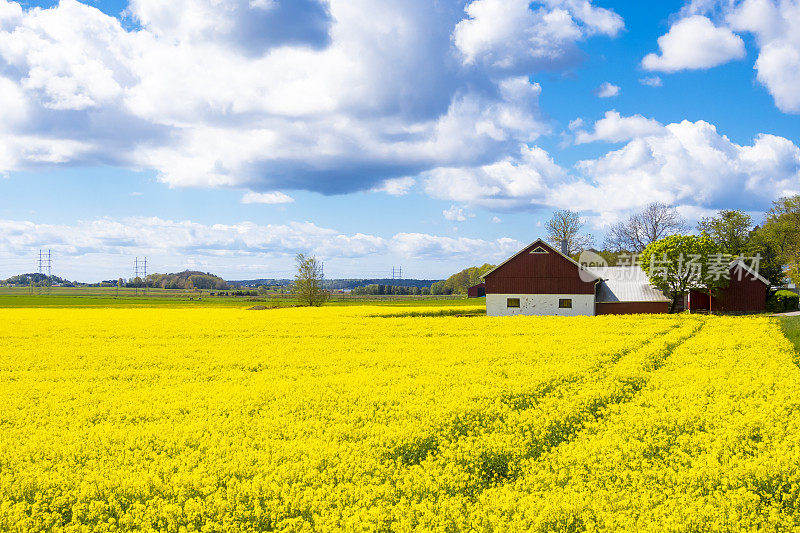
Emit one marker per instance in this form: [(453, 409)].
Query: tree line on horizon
[(186, 280), (37, 279), (776, 240), (457, 283), (661, 240), (731, 232)]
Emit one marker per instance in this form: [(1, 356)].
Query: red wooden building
[(477, 291), (746, 293), (540, 280)]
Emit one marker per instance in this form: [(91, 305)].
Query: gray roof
[(625, 284)]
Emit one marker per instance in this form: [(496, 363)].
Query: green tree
[(729, 229), (611, 258), (203, 281), (566, 225), (678, 263), (782, 230), (459, 282), (763, 245), (308, 282), (439, 288)]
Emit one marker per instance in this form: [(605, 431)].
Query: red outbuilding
[(477, 291), (746, 293)]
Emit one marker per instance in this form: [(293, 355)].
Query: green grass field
[(791, 328), (93, 297)]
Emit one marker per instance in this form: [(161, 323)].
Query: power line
[(136, 276), (45, 263), (41, 267), (49, 271), (140, 267)]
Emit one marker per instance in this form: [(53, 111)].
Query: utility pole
[(49, 272), (41, 273), (397, 273), (45, 264), (140, 267)]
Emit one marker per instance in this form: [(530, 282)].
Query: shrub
[(782, 301)]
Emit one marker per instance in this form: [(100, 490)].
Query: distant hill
[(338, 284), (188, 279), (261, 282), (459, 282), (37, 279)]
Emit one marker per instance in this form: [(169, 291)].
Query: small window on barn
[(512, 302), (538, 250), (565, 303)]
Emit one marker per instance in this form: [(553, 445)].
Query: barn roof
[(732, 267), (540, 242), (625, 284), (743, 266)]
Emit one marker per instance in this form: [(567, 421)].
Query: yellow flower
[(365, 418)]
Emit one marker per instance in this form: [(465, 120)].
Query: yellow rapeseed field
[(342, 419)]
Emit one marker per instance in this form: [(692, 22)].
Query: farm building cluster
[(541, 280)]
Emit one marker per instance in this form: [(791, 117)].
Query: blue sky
[(373, 134)]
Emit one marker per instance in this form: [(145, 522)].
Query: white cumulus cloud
[(274, 197), (615, 128), (512, 182), (457, 214), (776, 27), (331, 96), (104, 248), (607, 90), (513, 33), (695, 43), (689, 164), (396, 186), (686, 163), (651, 81)]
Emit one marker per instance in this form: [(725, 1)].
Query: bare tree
[(565, 225), (655, 222), (308, 282)]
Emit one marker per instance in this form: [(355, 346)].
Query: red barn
[(477, 291), (540, 280), (746, 293)]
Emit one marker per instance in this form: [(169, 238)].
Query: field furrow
[(710, 444)]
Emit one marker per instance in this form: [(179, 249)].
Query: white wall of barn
[(539, 304)]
